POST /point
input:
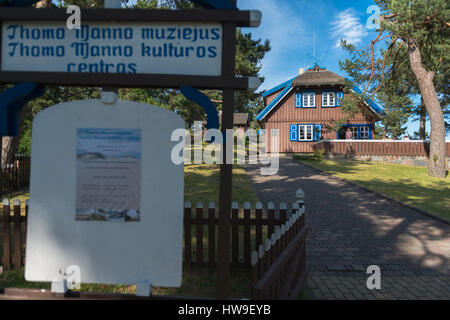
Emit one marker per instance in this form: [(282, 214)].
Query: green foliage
[(392, 82), (408, 184), (319, 154), (25, 139)]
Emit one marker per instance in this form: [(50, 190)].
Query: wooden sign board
[(105, 195), (120, 47)]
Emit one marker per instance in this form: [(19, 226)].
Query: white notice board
[(144, 246)]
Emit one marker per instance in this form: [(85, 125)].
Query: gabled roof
[(278, 87), (318, 78), (370, 103), (266, 110), (315, 76)]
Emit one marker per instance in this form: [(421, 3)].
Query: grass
[(201, 185), (408, 184)]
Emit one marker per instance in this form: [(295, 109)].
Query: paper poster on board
[(108, 174)]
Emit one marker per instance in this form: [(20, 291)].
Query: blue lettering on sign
[(23, 33), (89, 46)]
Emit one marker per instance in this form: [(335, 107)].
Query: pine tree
[(418, 35)]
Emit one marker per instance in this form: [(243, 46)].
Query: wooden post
[(235, 236), (6, 234), (17, 236), (187, 235), (226, 170), (212, 235), (199, 234), (247, 240), (258, 223)]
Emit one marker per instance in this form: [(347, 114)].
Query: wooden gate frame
[(227, 81)]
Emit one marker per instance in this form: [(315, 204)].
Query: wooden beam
[(125, 80), (240, 18), (226, 170)]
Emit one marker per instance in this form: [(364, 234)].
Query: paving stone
[(353, 229)]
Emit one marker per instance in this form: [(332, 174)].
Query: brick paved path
[(352, 229)]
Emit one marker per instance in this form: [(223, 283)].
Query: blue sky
[(290, 26)]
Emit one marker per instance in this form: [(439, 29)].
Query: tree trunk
[(437, 157), (423, 121), (10, 146)]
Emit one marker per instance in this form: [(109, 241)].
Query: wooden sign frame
[(225, 17), (227, 81)]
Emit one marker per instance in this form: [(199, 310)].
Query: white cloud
[(348, 27), (287, 34)]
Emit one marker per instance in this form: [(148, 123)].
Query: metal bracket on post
[(203, 101), (12, 102), (110, 95), (144, 288)]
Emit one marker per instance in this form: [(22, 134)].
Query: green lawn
[(408, 184), (201, 185)]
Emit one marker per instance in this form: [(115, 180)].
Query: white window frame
[(366, 134), (354, 129), (305, 128), (308, 95), (325, 96)]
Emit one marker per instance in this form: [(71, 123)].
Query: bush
[(319, 155)]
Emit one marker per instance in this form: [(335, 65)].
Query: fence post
[(270, 217), (300, 197), (295, 211), (255, 278), (199, 233), (268, 253), (258, 219), (6, 261), (17, 236), (212, 235), (187, 235), (247, 241), (234, 235), (283, 213), (261, 259)]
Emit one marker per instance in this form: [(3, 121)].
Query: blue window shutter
[(317, 132), (370, 132), (293, 132), (298, 100), (339, 97)]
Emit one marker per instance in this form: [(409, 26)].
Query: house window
[(354, 131), (298, 100), (328, 99), (305, 132), (365, 134), (309, 100)]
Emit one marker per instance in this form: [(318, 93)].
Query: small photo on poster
[(108, 175)]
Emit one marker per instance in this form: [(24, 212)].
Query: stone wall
[(417, 161)]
